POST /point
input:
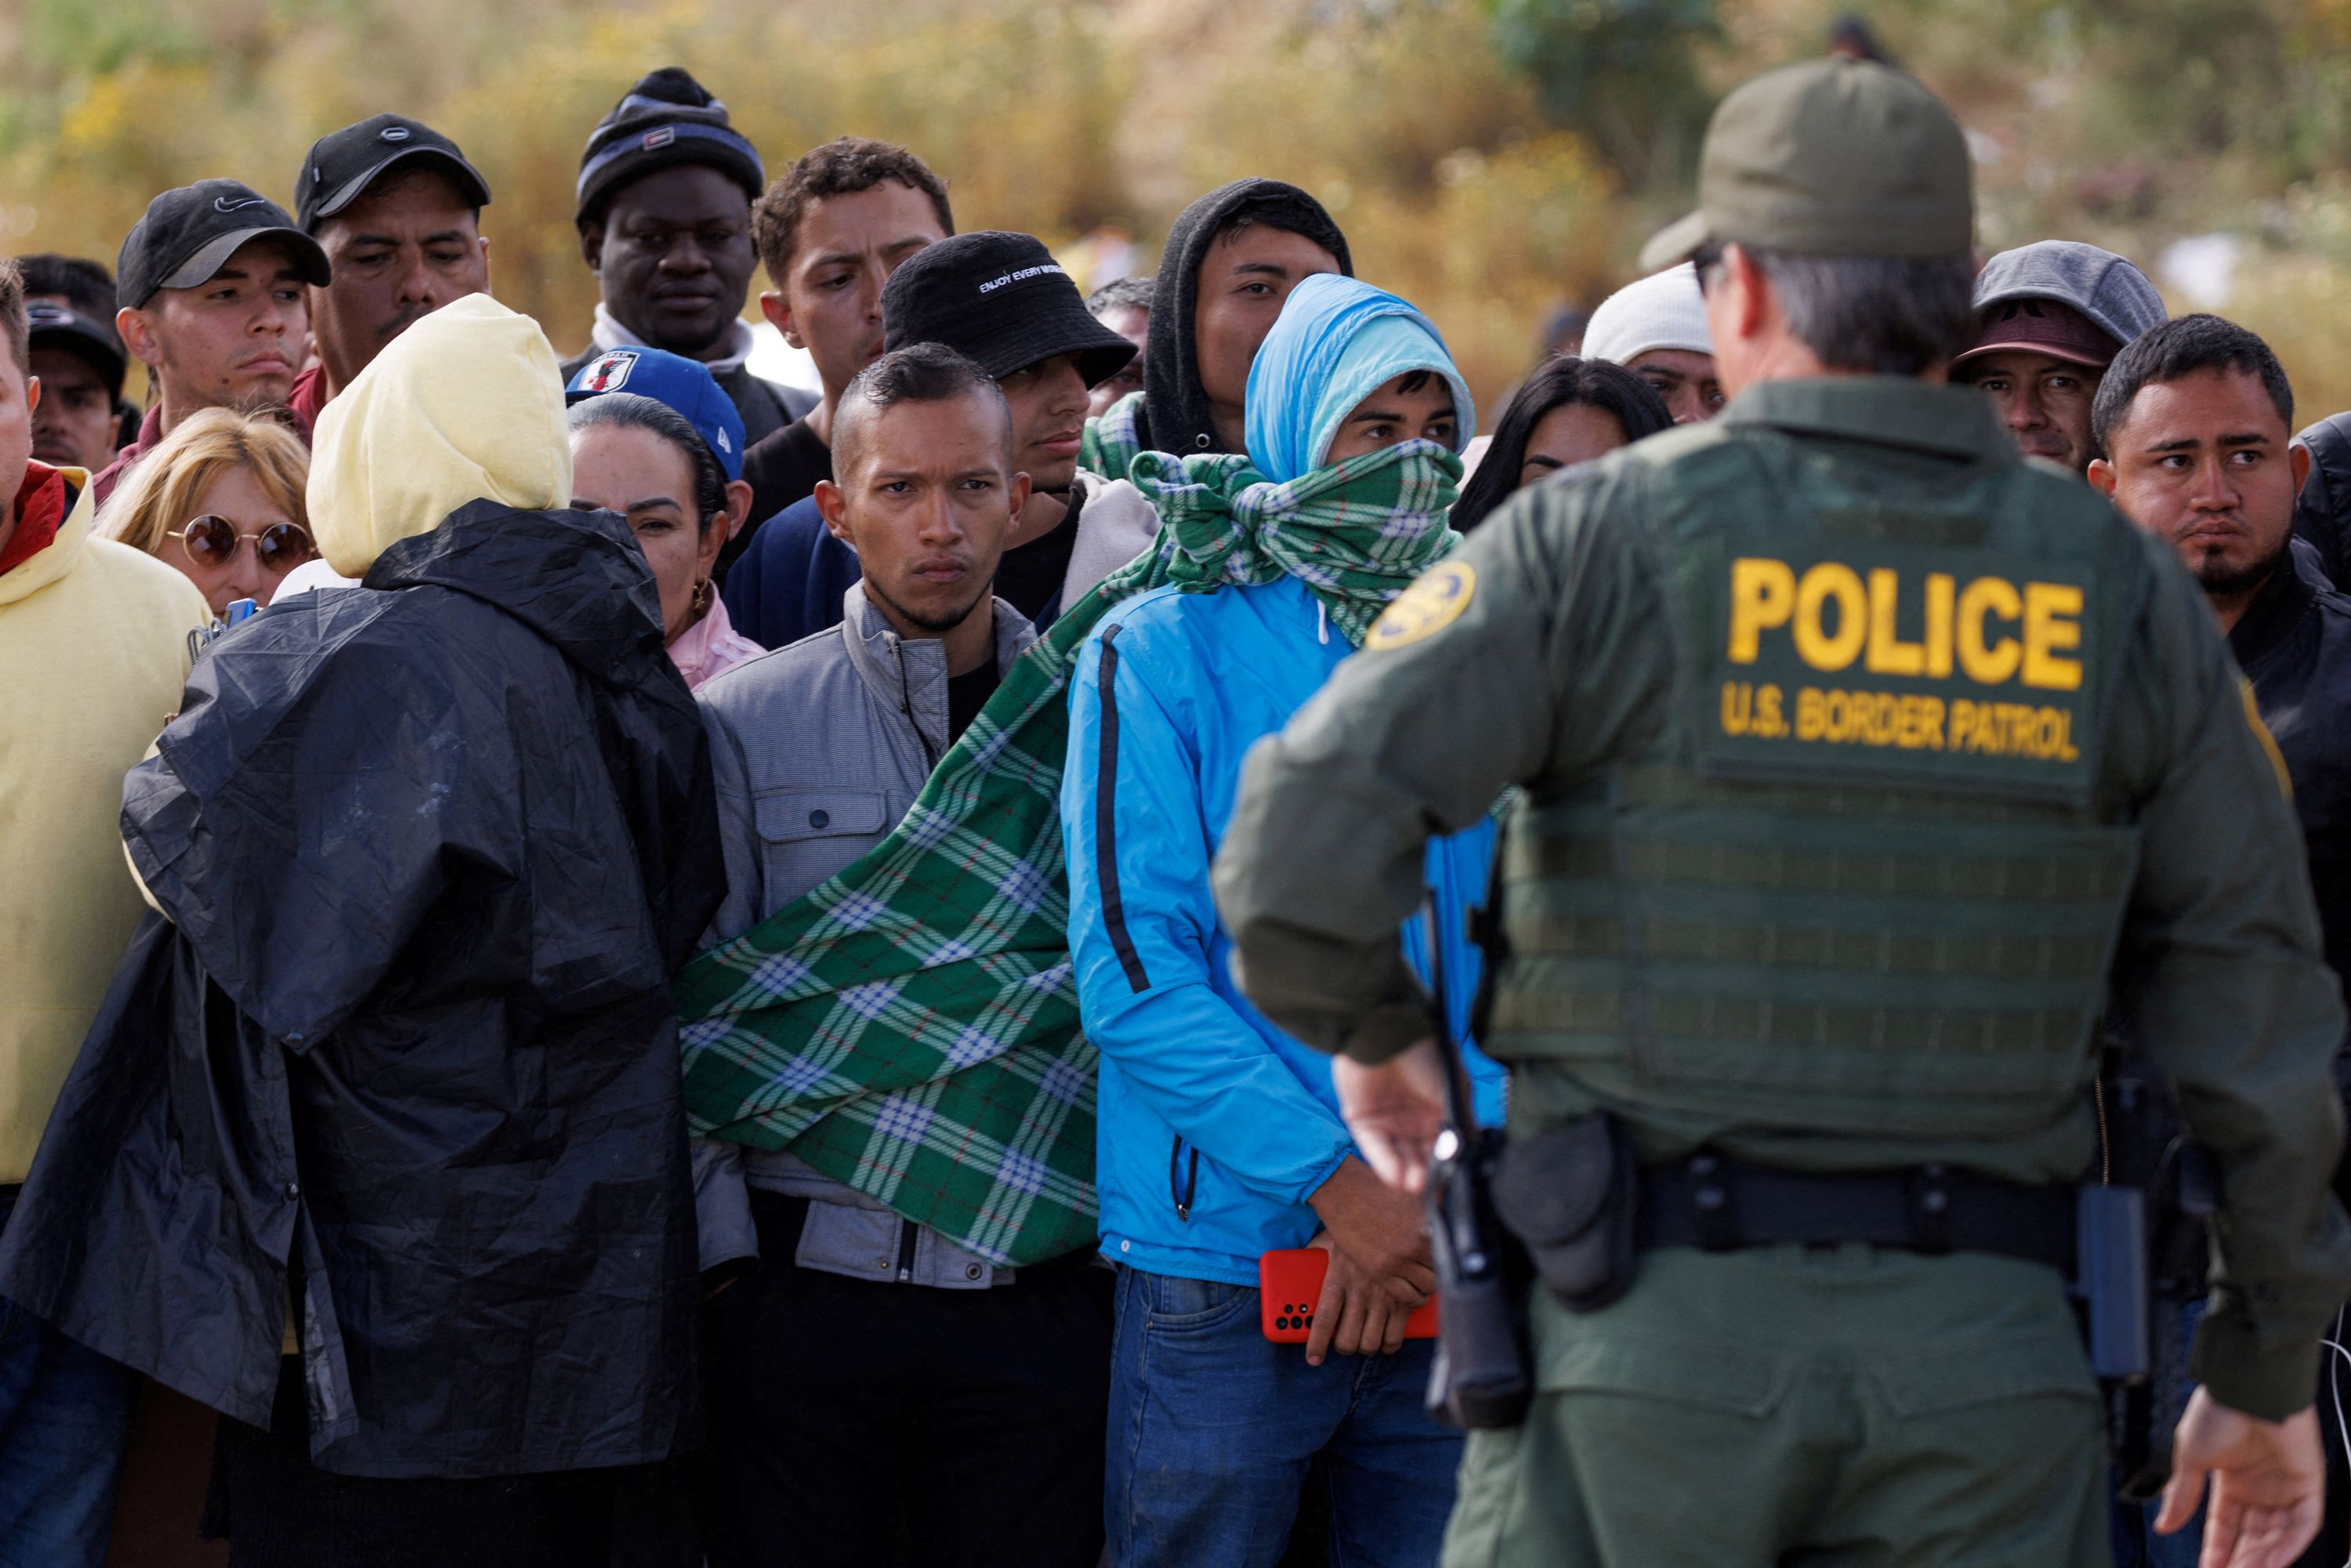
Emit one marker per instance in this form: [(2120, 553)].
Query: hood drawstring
[(1322, 620)]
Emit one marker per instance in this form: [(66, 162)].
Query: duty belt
[(1722, 1205)]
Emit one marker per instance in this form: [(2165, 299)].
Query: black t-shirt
[(781, 469), (967, 695), (1029, 576)]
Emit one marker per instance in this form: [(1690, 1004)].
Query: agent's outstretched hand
[(2269, 1482)]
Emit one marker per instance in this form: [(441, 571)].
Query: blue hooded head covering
[(1337, 341)]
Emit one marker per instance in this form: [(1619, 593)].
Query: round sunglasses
[(212, 541)]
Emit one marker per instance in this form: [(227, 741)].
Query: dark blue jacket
[(789, 583)]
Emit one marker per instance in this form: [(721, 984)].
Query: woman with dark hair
[(657, 454), (1569, 412)]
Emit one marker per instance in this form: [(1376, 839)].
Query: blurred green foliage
[(1488, 158)]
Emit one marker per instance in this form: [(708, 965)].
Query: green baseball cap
[(1832, 157)]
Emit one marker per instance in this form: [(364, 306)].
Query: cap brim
[(1101, 353), (469, 181), (309, 259), (109, 360), (1675, 244), (2046, 350)]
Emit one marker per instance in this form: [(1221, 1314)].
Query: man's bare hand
[(1382, 1231), (1394, 1111), (2269, 1481), (1356, 1314)]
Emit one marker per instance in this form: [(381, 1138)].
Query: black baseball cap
[(188, 234), (1001, 300), (58, 326), (347, 162)]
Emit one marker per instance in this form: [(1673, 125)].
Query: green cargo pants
[(1843, 1407)]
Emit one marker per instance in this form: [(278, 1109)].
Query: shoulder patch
[(1434, 602)]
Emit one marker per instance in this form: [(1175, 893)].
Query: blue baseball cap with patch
[(686, 385)]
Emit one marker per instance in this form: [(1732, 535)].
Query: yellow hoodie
[(465, 405), (93, 653)]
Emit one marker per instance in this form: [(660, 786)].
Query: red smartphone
[(1289, 1284)]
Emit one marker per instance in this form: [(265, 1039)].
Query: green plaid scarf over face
[(1355, 532), (910, 1027)]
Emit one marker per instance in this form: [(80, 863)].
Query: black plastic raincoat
[(406, 1045)]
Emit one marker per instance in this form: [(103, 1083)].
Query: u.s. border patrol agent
[(1860, 758)]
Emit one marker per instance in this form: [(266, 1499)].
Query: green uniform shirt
[(1555, 649)]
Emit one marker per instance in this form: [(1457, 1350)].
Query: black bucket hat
[(1001, 300)]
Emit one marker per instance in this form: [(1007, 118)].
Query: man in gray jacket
[(862, 1361)]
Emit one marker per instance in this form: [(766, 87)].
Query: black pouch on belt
[(1569, 1194)]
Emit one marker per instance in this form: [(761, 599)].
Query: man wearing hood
[(398, 1066), (1219, 1134), (1231, 258), (68, 735), (2050, 317)]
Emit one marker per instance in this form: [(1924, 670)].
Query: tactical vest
[(1859, 883)]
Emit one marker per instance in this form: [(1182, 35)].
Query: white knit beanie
[(1662, 311)]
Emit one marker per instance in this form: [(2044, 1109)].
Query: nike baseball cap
[(1832, 157), (188, 234), (345, 164)]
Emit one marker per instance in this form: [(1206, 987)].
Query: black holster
[(1569, 1195)]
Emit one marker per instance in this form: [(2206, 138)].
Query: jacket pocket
[(788, 816), (1183, 1179), (808, 836)]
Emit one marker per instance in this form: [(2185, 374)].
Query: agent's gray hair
[(1889, 315)]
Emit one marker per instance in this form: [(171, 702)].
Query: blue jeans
[(65, 1420), (2136, 1545), (1212, 1426)]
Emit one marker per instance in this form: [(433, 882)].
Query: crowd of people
[(617, 962)]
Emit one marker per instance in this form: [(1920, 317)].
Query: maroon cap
[(2048, 326)]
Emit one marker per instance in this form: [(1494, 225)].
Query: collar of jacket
[(1893, 410), (2267, 621), (910, 676), (53, 561)]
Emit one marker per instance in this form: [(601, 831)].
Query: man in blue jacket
[(1220, 1136)]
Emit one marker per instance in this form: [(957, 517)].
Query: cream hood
[(465, 404)]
